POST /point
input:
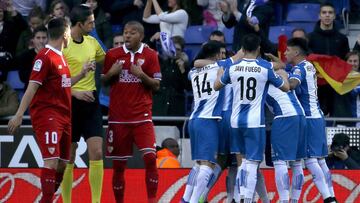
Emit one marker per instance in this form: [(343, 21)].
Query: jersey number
[(205, 87), (51, 138), (250, 88)]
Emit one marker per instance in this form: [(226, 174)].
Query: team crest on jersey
[(297, 72), (65, 82), (110, 149), (51, 150), (140, 62), (37, 65)]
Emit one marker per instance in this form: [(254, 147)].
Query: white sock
[(282, 180), (191, 182), (297, 180), (202, 180), (327, 175), (318, 176), (260, 187), (251, 179), (240, 181), (212, 181), (243, 178), (230, 183)]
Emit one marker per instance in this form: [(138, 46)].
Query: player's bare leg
[(96, 168)]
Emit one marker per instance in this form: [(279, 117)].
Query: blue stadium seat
[(14, 81), (340, 5), (229, 35), (307, 26), (303, 12), (197, 34), (279, 13), (192, 50), (276, 31)]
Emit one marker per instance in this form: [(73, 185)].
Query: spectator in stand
[(353, 59), (36, 18), (298, 33), (58, 8), (212, 13), (174, 22), (25, 60), (167, 155), (102, 24), (118, 40), (25, 7), (342, 156), (170, 99), (9, 101), (217, 35), (235, 15), (11, 25), (326, 39)]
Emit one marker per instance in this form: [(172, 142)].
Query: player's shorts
[(225, 131), (121, 137), (287, 138), (316, 138), (249, 142), (53, 136), (86, 119), (204, 138)]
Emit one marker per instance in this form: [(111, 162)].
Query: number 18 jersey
[(250, 80), (208, 103)]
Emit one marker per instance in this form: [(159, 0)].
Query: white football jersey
[(208, 103), (250, 79)]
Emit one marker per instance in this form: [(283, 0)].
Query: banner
[(23, 185)]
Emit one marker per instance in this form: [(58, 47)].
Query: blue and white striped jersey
[(228, 92), (208, 103), (283, 104), (305, 73), (250, 79)]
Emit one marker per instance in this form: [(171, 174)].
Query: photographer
[(342, 156)]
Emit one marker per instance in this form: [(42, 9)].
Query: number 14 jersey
[(208, 103), (250, 80)]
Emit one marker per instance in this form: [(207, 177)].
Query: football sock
[(327, 175), (66, 186), (318, 176), (282, 180), (212, 181), (58, 180), (151, 175), (230, 183), (191, 182), (47, 180), (96, 173), (118, 180), (297, 180), (202, 180), (251, 179)]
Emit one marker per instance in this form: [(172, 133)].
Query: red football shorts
[(53, 137), (120, 139)]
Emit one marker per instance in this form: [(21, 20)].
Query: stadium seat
[(278, 14), (14, 81), (229, 35), (340, 5), (197, 34), (302, 12), (307, 26), (276, 31)]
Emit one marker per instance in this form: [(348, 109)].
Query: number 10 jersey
[(208, 103)]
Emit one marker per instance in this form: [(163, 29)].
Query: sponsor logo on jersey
[(37, 65), (127, 77), (157, 75), (297, 72), (65, 81)]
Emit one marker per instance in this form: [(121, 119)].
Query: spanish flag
[(338, 73)]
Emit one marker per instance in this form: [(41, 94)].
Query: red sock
[(151, 176), (58, 180), (47, 184), (118, 180)]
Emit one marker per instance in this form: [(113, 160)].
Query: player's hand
[(87, 67), (341, 154), (136, 70), (138, 3), (87, 96), (155, 37), (116, 68), (14, 124), (272, 57), (224, 6), (181, 65)]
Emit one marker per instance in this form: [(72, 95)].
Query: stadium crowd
[(111, 49)]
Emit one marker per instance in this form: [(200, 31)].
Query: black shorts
[(86, 119)]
